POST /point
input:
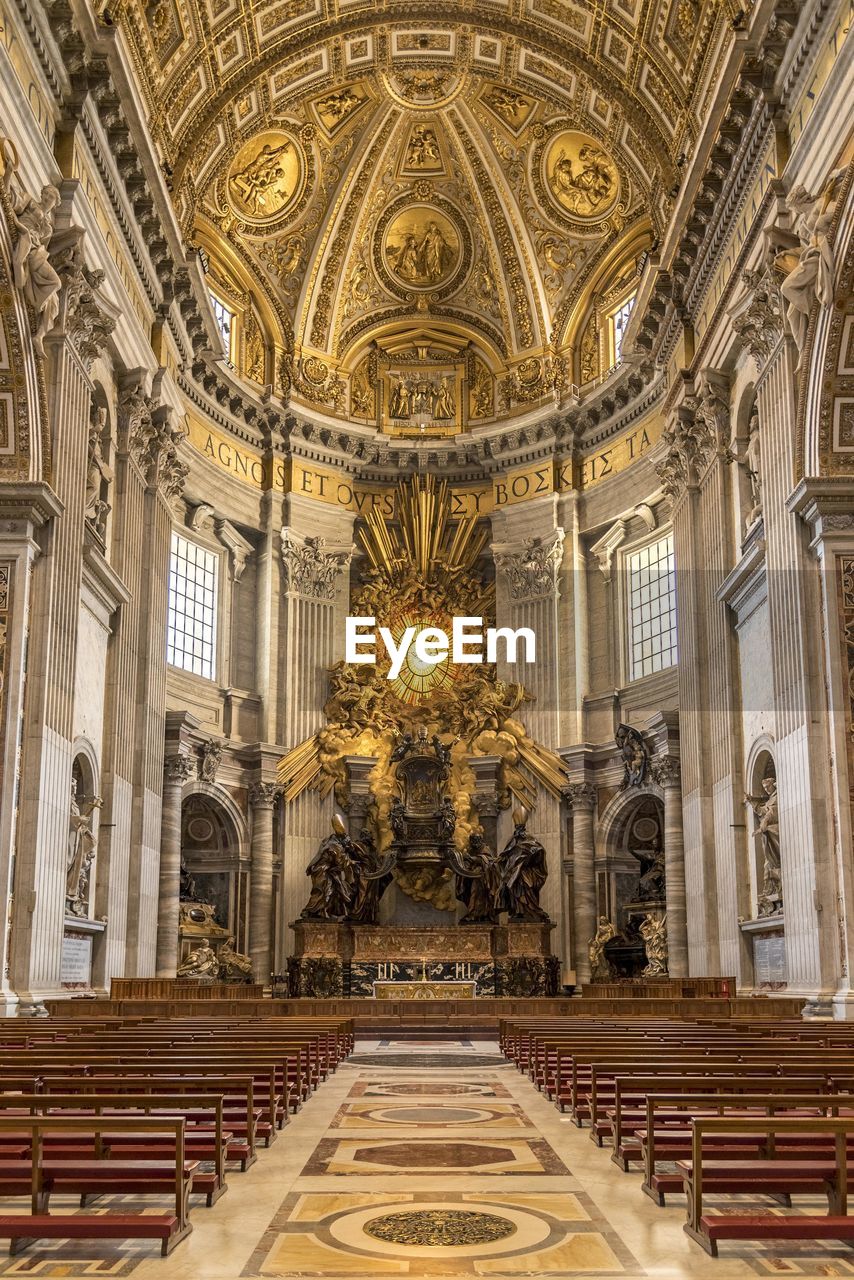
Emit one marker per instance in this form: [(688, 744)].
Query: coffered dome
[(409, 221)]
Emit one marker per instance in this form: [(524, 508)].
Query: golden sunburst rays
[(302, 768), (426, 540)]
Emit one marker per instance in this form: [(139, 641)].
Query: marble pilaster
[(262, 798), (665, 771), (177, 769), (582, 797)]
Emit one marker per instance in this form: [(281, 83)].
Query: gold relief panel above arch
[(422, 247)]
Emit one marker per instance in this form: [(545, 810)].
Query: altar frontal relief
[(423, 570)]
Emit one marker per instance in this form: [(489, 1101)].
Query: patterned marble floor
[(443, 1166)]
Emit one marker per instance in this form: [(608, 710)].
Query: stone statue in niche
[(600, 969), (233, 965), (635, 755), (202, 962), (653, 930), (81, 852), (651, 883), (751, 461), (810, 268), (523, 870), (478, 880), (99, 475), (770, 899), (33, 272)]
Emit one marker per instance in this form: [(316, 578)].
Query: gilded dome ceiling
[(396, 206)]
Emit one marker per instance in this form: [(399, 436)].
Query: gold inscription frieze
[(323, 484)]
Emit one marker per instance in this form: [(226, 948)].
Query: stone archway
[(214, 870), (630, 868)]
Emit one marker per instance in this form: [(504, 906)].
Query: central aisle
[(435, 1159)]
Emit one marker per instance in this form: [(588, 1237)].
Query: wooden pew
[(39, 1174), (765, 1177)]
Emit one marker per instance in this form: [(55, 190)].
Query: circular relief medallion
[(265, 176), (200, 829), (422, 246), (579, 176), (439, 1227), (645, 829)]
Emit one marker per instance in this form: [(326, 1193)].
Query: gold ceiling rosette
[(424, 568)]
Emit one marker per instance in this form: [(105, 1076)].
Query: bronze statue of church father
[(402, 912)]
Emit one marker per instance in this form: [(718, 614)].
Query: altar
[(424, 990), (482, 931), (343, 959)]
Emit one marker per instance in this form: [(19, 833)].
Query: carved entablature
[(310, 569), (531, 571), (690, 447), (757, 314)]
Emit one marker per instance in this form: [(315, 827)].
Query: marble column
[(666, 773), (583, 799), (262, 797), (176, 770)]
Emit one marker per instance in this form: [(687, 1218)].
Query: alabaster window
[(618, 321), (651, 598), (225, 323), (191, 638)]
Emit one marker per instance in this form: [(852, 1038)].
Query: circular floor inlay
[(440, 1227), (430, 1115)]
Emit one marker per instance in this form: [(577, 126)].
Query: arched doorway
[(630, 874), (214, 870)]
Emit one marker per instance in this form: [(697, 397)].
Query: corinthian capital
[(310, 569), (264, 794), (666, 771), (757, 314), (690, 446), (177, 768), (531, 570), (83, 314), (582, 795)]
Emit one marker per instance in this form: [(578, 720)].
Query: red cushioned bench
[(39, 1176), (768, 1177)]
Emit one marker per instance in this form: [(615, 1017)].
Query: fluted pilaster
[(262, 798), (667, 774), (176, 770), (582, 797)]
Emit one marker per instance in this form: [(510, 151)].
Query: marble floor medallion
[(440, 1227)]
